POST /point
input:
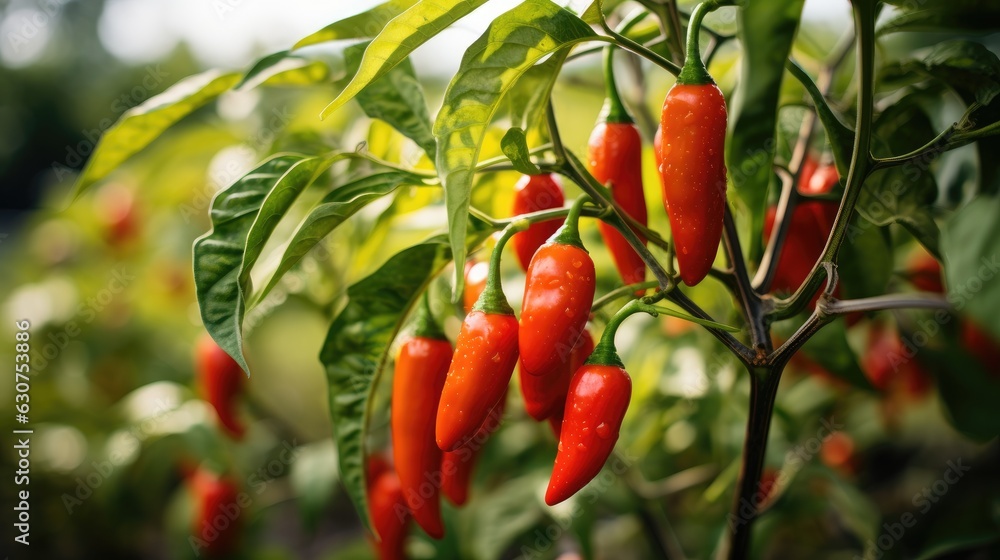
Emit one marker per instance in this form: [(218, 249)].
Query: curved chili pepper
[(558, 291), (534, 193), (457, 466), (221, 382), (389, 514), (421, 369), (598, 397), (615, 156), (218, 519), (692, 161), (485, 355)]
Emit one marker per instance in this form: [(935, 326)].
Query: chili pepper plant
[(755, 191)]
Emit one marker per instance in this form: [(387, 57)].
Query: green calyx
[(569, 233), (694, 72), (614, 110), (424, 325), (493, 300)]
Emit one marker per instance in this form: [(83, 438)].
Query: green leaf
[(966, 66), (865, 260), (142, 124), (398, 38), (357, 349), (766, 32), (528, 98), (396, 98), (313, 478), (359, 26), (299, 73), (905, 194), (218, 254), (954, 16), (969, 393), (840, 136), (335, 208), (971, 247), (515, 147), (261, 66), (273, 209), (511, 45)]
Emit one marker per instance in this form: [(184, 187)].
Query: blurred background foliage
[(106, 284)]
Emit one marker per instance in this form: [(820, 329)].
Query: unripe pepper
[(615, 157), (421, 369), (457, 466), (220, 380), (215, 497), (534, 193), (558, 291), (485, 355), (692, 161), (598, 397), (389, 514), (545, 395)]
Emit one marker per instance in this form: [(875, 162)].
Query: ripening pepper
[(485, 356), (615, 157), (421, 369), (558, 291), (534, 193), (220, 380), (389, 514), (691, 161), (457, 466), (218, 520)]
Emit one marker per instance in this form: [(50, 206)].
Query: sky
[(233, 33)]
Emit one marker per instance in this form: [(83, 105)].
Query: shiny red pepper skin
[(216, 497), (485, 356), (532, 194), (545, 395), (615, 156), (595, 407), (693, 173), (457, 466), (421, 369), (558, 291), (475, 283), (220, 381), (389, 514)]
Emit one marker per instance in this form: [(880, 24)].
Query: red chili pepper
[(485, 356), (890, 365), (421, 369), (475, 283), (982, 345), (534, 193), (221, 381), (388, 510), (545, 396), (457, 466), (595, 407), (558, 291), (692, 162), (218, 520), (598, 397), (924, 272), (615, 156)]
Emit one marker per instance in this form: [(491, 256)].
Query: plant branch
[(890, 301), (641, 50), (747, 297)]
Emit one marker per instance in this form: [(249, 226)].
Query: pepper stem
[(493, 300), (694, 71), (424, 324), (614, 110), (605, 353), (569, 233)]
